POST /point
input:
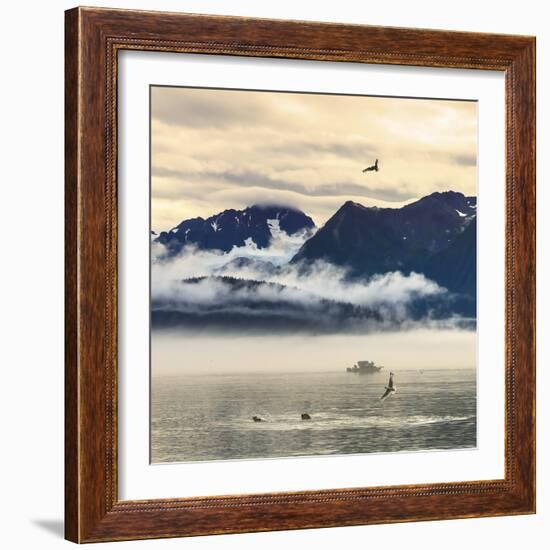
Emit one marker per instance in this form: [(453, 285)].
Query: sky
[(218, 149)]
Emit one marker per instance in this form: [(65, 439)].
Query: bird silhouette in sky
[(372, 168)]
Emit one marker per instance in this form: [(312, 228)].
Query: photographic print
[(313, 274)]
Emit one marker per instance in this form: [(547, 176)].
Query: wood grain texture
[(93, 39), (71, 275)]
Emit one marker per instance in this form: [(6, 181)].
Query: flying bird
[(390, 388), (372, 168)]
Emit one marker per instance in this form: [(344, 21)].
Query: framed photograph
[(300, 275)]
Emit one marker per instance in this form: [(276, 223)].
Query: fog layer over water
[(207, 353)]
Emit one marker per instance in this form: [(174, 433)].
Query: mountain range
[(434, 236)]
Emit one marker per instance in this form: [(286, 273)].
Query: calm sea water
[(209, 417)]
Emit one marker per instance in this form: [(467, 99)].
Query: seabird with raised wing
[(372, 168), (390, 388)]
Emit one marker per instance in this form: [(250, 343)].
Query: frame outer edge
[(525, 111), (72, 447)]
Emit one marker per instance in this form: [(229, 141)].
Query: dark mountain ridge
[(232, 228), (435, 235)]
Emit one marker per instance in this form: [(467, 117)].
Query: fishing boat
[(364, 367)]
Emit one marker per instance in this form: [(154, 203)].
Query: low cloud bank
[(257, 289)]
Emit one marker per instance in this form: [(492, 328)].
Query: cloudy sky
[(218, 149)]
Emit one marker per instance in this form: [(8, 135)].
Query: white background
[(31, 302), (138, 479)]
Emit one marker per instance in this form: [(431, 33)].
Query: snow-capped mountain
[(233, 228)]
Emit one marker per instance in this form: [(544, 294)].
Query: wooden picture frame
[(93, 511)]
